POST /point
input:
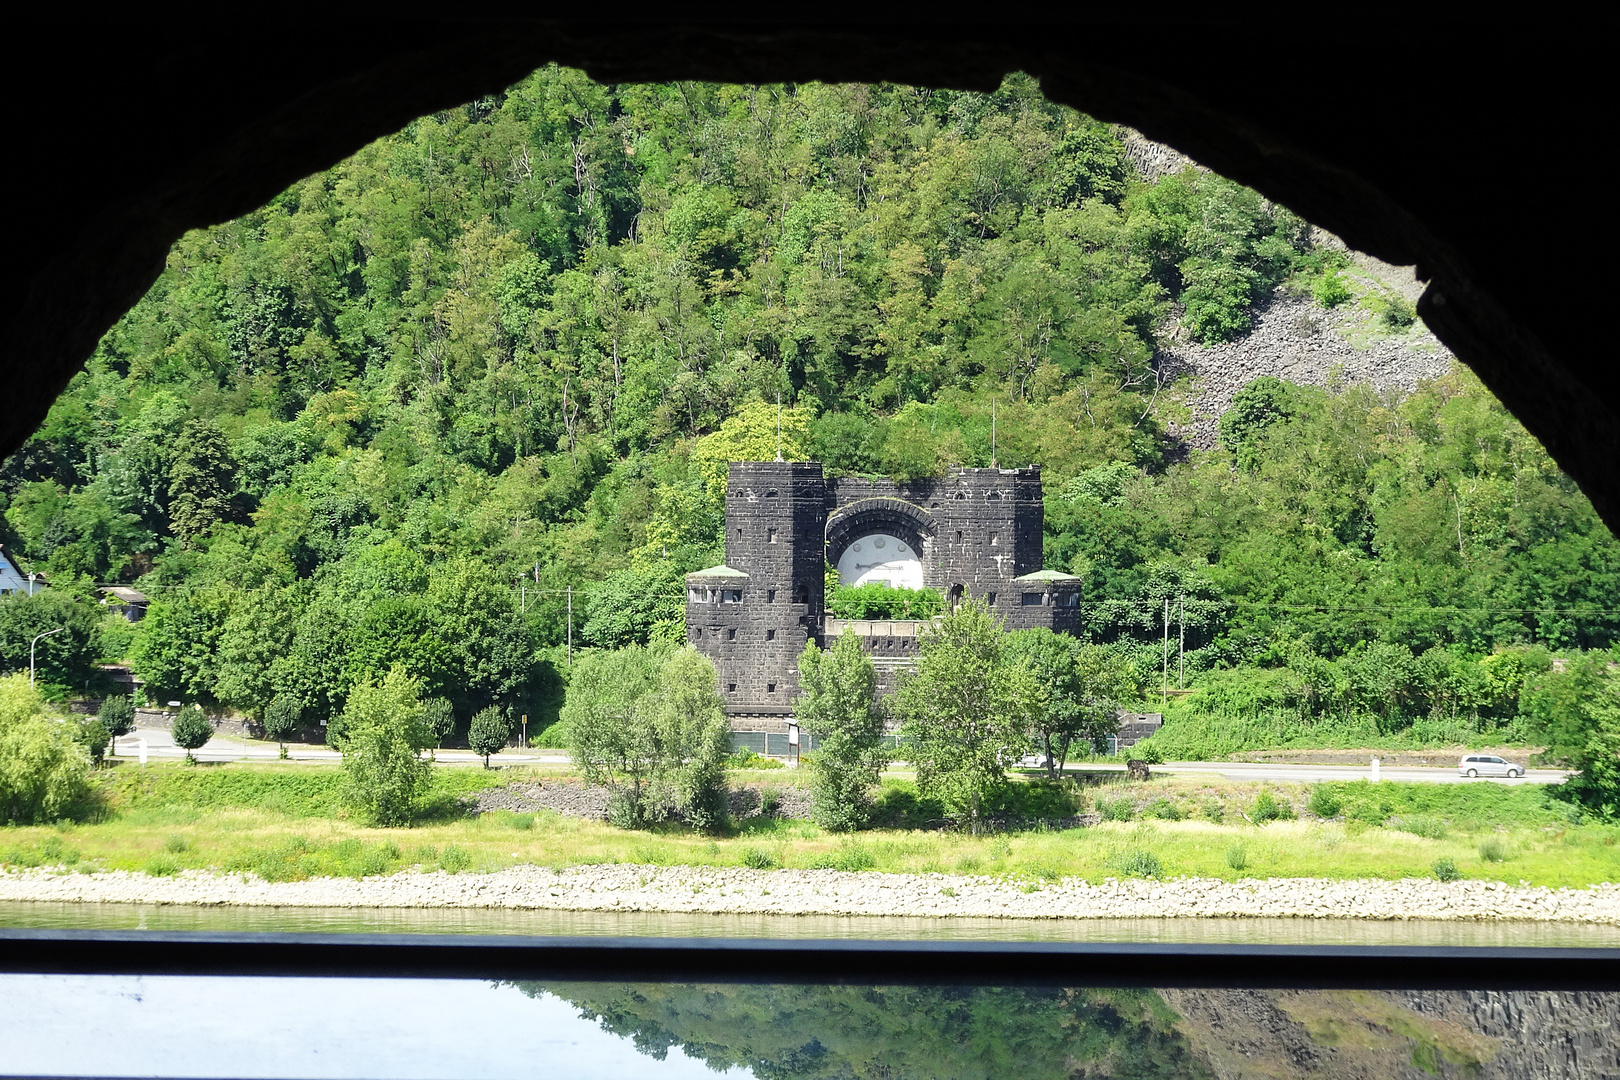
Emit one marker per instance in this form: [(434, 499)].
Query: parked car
[(1486, 765)]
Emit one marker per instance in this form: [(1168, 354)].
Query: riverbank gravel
[(734, 890)]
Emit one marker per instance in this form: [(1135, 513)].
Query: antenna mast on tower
[(779, 425), (993, 464)]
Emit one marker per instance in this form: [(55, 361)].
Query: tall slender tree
[(838, 705)]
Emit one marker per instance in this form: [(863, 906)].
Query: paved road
[(160, 744), (1230, 770)]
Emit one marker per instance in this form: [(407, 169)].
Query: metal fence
[(771, 744)]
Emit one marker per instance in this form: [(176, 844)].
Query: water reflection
[(838, 1032), (811, 1033), (271, 1027), (229, 918)]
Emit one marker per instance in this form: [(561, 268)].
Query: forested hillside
[(494, 365)]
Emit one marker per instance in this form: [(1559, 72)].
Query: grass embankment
[(287, 823), (1191, 735)]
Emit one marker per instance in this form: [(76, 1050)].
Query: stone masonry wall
[(975, 531)]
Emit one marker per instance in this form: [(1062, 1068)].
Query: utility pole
[(1164, 695), (1181, 652), (570, 626), (34, 643)]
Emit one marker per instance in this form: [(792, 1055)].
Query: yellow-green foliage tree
[(44, 770), (382, 732)]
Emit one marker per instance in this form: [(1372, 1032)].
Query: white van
[(1485, 765)]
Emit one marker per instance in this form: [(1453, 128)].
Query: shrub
[(1214, 811), (162, 866), (1120, 809), (440, 717), (1268, 808), (455, 859), (770, 801), (1493, 850), (1163, 809), (849, 857), (744, 758), (1035, 799), (1140, 864), (385, 777), (1398, 314), (44, 772), (1446, 870), (758, 859), (1430, 828), (1324, 802), (281, 719), (91, 733), (625, 811), (176, 844), (489, 731), (191, 730), (1330, 290), (878, 600), (118, 714), (1237, 857)]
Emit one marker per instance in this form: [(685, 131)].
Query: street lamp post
[(32, 645)]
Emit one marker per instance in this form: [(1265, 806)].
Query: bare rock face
[(1297, 341), (578, 799)]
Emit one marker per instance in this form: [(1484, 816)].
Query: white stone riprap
[(732, 890)]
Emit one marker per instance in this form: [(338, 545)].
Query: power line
[(1154, 605)]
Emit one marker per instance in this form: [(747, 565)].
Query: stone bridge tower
[(973, 533), (753, 615)]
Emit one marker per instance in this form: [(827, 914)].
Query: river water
[(263, 1027), (654, 924)]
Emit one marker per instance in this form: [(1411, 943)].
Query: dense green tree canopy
[(469, 394)]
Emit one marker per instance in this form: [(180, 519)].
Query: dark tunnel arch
[(178, 127)]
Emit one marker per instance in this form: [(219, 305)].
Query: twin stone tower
[(972, 533)]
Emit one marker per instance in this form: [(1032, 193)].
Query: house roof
[(7, 562), (718, 571), (1047, 575), (124, 595)]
